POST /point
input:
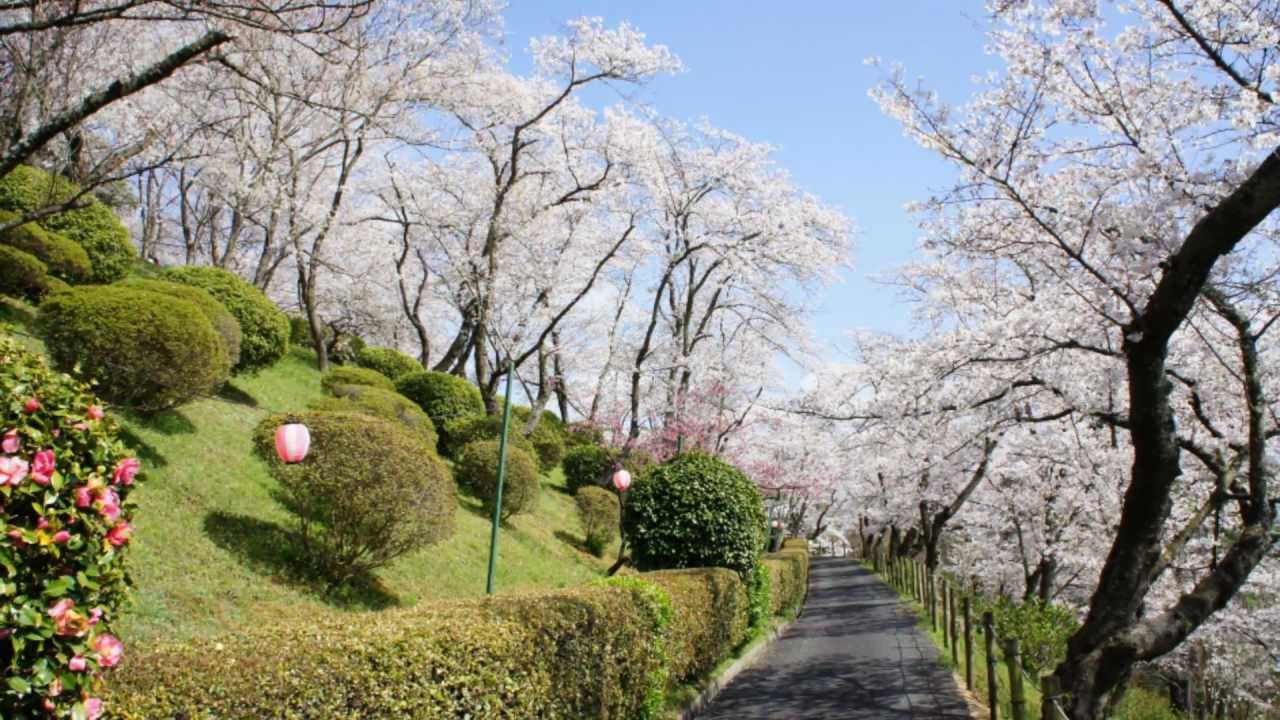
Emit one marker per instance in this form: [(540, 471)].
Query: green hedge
[(22, 275), (224, 323), (378, 402), (265, 328), (388, 361), (789, 576), (443, 396), (345, 376), (457, 434), (65, 259), (589, 652), (710, 619), (477, 471)]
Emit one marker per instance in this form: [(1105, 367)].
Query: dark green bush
[(223, 321), (299, 331), (22, 275), (368, 492), (94, 227), (477, 470), (264, 328), (388, 361), (589, 652), (343, 375), (445, 397), (548, 444), (582, 433), (695, 511), (587, 465), (457, 434), (66, 260), (601, 517), (386, 404), (788, 579), (145, 350), (710, 621)]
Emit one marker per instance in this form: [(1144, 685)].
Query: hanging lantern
[(622, 480), (292, 442)]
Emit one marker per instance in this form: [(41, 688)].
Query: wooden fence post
[(1013, 663), (993, 685), (1049, 689), (933, 599), (968, 643), (942, 595), (955, 639)]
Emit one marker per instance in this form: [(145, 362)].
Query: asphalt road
[(855, 653)]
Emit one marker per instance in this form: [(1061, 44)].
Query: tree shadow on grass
[(270, 549), (145, 451), (165, 422), (231, 393), (572, 541)]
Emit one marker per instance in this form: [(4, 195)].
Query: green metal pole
[(502, 476)]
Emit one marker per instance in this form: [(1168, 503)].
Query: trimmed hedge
[(386, 404), (265, 328), (589, 652), (443, 396), (459, 433), (789, 578), (477, 470), (95, 227), (548, 444), (342, 376), (601, 517), (66, 260), (145, 350), (388, 361), (695, 511), (587, 466), (22, 275), (223, 321), (710, 619)]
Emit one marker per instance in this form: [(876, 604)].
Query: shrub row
[(789, 577), (709, 622)]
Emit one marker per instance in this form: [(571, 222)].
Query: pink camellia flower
[(42, 467), (95, 413), (5, 632), (84, 496), (62, 537), (109, 504), (9, 443), (95, 615), (109, 650), (50, 705), (77, 664), (80, 426), (92, 708), (61, 608), (15, 534), (42, 524), (125, 471), (31, 405), (12, 470), (119, 534)]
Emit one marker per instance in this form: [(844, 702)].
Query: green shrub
[(788, 579), (94, 227), (795, 544), (58, 555), (478, 471), (265, 329), (1139, 703), (587, 465), (368, 491), (582, 433), (710, 621), (144, 350), (22, 275), (223, 321), (66, 260), (299, 331), (1042, 629), (589, 652), (760, 595), (601, 517), (339, 376), (388, 361), (459, 433), (386, 404), (695, 511), (443, 396), (548, 445)]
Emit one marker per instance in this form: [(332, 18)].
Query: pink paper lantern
[(292, 442), (622, 480)]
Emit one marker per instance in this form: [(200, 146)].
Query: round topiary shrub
[(548, 443), (368, 492), (386, 404), (94, 227), (65, 479), (264, 328), (22, 275), (599, 512), (145, 350), (223, 321), (477, 470), (443, 396), (65, 260), (342, 375), (587, 465), (695, 511), (459, 433), (388, 361)]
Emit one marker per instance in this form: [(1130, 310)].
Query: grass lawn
[(212, 548)]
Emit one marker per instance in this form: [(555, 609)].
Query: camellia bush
[(65, 479), (264, 327), (695, 511)]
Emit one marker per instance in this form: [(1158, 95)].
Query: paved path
[(855, 653)]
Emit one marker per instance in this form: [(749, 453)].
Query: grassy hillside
[(212, 548)]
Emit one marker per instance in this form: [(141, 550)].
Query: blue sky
[(792, 75)]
